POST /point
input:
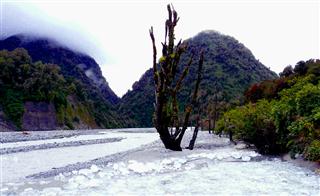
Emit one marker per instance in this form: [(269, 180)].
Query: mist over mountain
[(23, 18), (48, 50)]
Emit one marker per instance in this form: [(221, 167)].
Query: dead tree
[(215, 106), (195, 132), (168, 83)]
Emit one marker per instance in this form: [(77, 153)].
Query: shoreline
[(8, 137), (214, 162), (312, 165)]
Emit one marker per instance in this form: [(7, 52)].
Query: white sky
[(115, 33)]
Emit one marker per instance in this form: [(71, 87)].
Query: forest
[(75, 101), (229, 68), (281, 115)]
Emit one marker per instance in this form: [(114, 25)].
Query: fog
[(24, 18), (115, 33)]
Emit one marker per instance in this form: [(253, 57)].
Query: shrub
[(313, 151), (289, 122), (252, 123), (12, 102)]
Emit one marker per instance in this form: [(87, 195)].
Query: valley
[(204, 116)]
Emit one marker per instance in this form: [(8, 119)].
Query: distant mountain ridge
[(229, 67), (49, 51)]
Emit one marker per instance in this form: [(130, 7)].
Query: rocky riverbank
[(215, 166)]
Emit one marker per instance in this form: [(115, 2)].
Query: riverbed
[(134, 162)]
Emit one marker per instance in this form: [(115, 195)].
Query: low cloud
[(23, 18)]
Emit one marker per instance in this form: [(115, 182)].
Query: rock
[(42, 182), (219, 157), (74, 172), (51, 191), (137, 167), (245, 158), (28, 189), (93, 183), (236, 155), (39, 116), (4, 189), (78, 179), (94, 168), (85, 172), (241, 146)]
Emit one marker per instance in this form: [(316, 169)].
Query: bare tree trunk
[(214, 121), (195, 134), (209, 119), (164, 73)]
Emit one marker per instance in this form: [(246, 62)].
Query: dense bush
[(22, 80), (313, 151), (290, 121), (252, 123), (12, 102)]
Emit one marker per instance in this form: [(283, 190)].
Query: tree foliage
[(283, 119), (23, 80)]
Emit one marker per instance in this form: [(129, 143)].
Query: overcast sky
[(115, 33)]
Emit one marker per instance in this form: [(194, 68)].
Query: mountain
[(229, 69), (72, 64), (45, 86)]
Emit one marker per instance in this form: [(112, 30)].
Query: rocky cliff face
[(39, 116), (73, 64)]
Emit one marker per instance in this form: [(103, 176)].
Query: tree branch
[(183, 75), (155, 72), (194, 99)]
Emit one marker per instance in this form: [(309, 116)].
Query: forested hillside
[(229, 69), (72, 63), (29, 90)]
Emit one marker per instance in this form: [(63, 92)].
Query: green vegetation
[(13, 105), (229, 68), (282, 115), (22, 80)]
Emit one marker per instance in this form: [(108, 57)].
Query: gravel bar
[(57, 145)]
